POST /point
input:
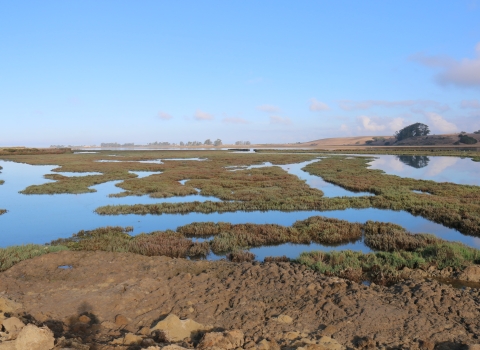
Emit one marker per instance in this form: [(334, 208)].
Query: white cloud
[(470, 104), (415, 105), (464, 72), (279, 120), (370, 125), (268, 108), (234, 120), (164, 116), (376, 124), (199, 115), (316, 105), (439, 124)]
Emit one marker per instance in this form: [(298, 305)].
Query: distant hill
[(365, 141)]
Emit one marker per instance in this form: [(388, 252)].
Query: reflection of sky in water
[(439, 169), (41, 218)]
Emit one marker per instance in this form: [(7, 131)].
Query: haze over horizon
[(86, 72)]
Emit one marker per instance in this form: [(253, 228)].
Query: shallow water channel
[(42, 218)]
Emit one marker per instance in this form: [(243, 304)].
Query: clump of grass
[(282, 258), (15, 254), (390, 237), (117, 239), (385, 267), (329, 231), (228, 237), (240, 256)]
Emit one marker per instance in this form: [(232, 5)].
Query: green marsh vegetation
[(12, 255), (455, 206), (259, 189), (395, 248), (204, 175)]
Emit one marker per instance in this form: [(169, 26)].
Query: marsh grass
[(240, 256), (386, 267), (261, 189), (15, 254)]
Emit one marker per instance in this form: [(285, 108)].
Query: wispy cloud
[(202, 116), (268, 108), (463, 73), (470, 104), (316, 105), (274, 119), (439, 124), (415, 105), (376, 124), (234, 120), (164, 116)]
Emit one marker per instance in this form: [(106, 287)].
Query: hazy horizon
[(86, 72)]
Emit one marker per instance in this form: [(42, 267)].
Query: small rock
[(176, 329), (144, 331), (13, 326), (263, 345), (227, 340), (121, 320), (471, 274), (84, 319), (291, 335), (329, 330), (7, 306), (330, 344), (284, 319), (34, 338), (128, 339)]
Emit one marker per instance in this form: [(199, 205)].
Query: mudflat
[(97, 298)]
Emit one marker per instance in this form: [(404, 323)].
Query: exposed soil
[(141, 290)]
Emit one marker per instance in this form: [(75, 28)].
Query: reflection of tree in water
[(414, 161)]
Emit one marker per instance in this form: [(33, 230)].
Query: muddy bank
[(280, 303)]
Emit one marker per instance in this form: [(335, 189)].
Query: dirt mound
[(98, 298)]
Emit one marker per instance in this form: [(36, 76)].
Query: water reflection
[(415, 161), (462, 171)]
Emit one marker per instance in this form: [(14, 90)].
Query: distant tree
[(467, 139), (207, 142), (217, 142), (247, 142), (417, 129), (477, 132), (181, 143)]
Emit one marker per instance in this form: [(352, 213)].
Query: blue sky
[(85, 72)]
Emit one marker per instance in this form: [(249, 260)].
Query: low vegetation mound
[(394, 248)]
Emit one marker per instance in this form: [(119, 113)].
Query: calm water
[(42, 218), (457, 170)]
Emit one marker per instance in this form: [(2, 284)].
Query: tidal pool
[(457, 170), (42, 218)]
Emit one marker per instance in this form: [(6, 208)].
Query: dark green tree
[(417, 129)]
